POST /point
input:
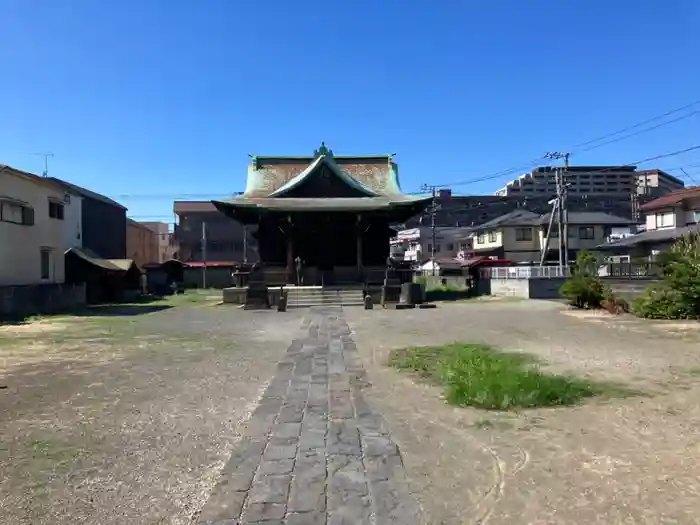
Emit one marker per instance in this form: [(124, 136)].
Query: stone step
[(306, 298), (312, 303), (324, 297), (316, 300)]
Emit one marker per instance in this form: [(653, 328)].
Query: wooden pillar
[(358, 245), (291, 278)]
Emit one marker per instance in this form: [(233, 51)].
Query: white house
[(32, 233), (416, 244)]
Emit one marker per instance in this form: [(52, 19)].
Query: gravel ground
[(633, 461), (128, 419)]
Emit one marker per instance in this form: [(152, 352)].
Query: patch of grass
[(480, 376)]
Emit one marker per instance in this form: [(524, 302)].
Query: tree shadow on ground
[(122, 310)]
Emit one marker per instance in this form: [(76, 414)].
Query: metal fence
[(525, 272), (643, 270)]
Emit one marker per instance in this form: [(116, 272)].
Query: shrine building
[(332, 213)]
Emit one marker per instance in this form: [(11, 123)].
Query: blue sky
[(152, 100)]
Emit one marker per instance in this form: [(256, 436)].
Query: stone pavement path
[(314, 452)]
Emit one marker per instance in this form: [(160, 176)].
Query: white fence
[(526, 272)]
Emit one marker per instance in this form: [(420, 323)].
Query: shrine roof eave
[(246, 210)]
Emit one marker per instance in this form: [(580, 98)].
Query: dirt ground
[(623, 461), (127, 416)]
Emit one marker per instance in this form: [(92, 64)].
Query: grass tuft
[(479, 376)]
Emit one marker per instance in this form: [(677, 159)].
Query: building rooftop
[(528, 218), (651, 236), (672, 199), (32, 177), (84, 192), (193, 207)]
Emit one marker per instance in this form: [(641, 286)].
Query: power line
[(689, 176), (638, 124), (497, 174), (610, 168), (175, 196), (645, 130), (509, 171)]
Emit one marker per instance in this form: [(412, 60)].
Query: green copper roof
[(372, 174), (317, 164)]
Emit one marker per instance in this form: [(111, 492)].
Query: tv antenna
[(46, 162)]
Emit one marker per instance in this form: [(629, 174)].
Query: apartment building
[(33, 231), (226, 240), (585, 180), (141, 243), (522, 235), (167, 245)]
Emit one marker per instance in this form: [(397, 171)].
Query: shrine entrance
[(331, 212)]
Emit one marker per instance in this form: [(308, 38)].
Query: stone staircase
[(306, 296)]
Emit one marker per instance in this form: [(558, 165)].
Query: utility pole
[(46, 162), (565, 208), (634, 198), (204, 254), (433, 211), (561, 207), (545, 248)]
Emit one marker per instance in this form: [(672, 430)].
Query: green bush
[(660, 301), (678, 296), (584, 291)]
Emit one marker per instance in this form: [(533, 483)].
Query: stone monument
[(256, 296)]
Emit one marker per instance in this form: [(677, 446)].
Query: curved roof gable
[(316, 165)]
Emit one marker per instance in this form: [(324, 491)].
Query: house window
[(523, 234), (665, 220), (696, 216), (56, 210), (16, 213), (437, 248), (492, 236), (480, 239), (450, 246), (45, 263), (586, 232), (553, 233)]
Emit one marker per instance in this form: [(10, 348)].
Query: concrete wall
[(629, 289), (457, 282), (527, 288), (21, 245), (18, 301), (217, 277)]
